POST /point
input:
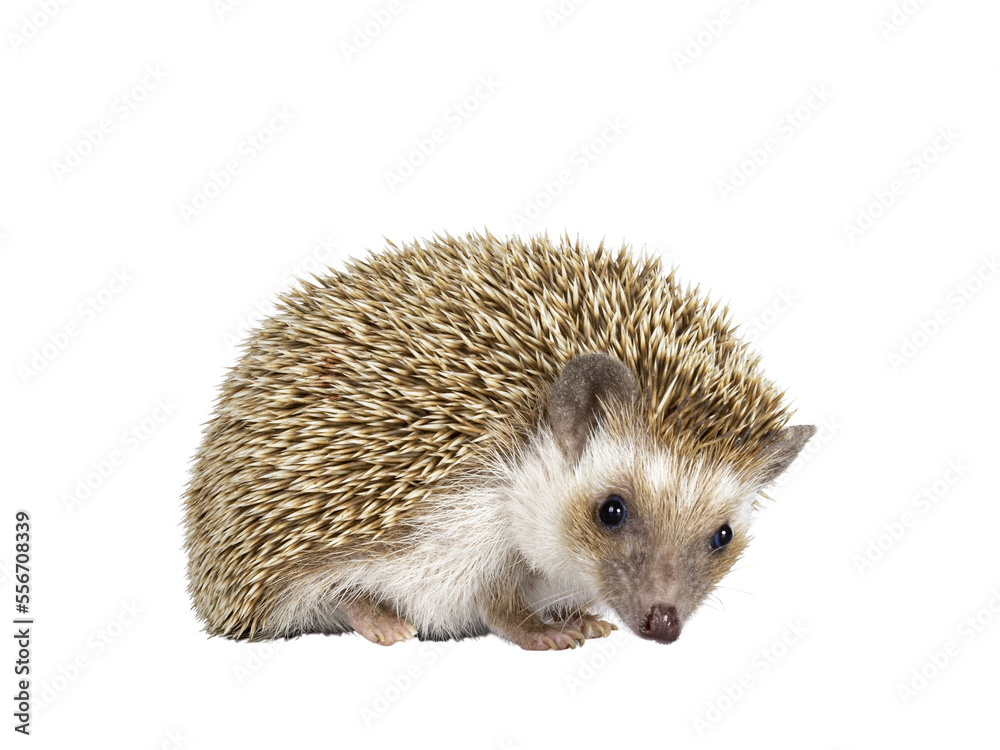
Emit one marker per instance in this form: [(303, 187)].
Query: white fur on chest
[(439, 580)]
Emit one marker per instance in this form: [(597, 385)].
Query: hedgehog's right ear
[(779, 455), (576, 402)]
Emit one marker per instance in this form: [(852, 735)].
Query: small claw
[(604, 628), (578, 637)]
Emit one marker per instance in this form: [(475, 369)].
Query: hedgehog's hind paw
[(378, 624)]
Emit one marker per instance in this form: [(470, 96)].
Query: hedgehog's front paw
[(379, 625), (506, 614), (591, 626), (556, 639)]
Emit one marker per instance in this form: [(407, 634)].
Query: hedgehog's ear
[(779, 455), (576, 402)]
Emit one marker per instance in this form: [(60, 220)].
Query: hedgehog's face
[(652, 533), (651, 530)]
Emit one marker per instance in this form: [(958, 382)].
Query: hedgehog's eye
[(612, 511), (722, 537)]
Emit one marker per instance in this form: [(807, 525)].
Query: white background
[(815, 638)]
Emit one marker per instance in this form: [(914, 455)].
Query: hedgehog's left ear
[(779, 455), (586, 383)]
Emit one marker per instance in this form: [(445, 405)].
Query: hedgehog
[(477, 435)]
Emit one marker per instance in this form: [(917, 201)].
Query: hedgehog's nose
[(661, 624)]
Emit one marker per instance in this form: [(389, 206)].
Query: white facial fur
[(687, 499)]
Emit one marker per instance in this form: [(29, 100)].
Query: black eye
[(612, 511), (722, 537)]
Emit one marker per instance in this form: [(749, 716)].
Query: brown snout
[(661, 624)]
